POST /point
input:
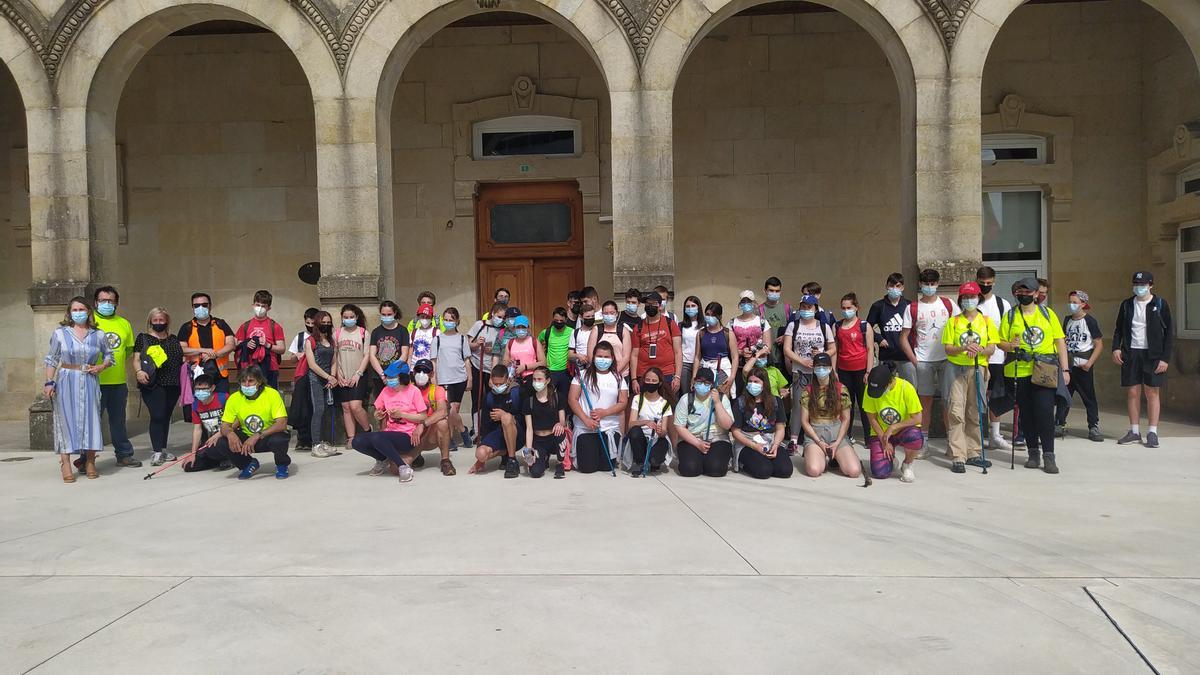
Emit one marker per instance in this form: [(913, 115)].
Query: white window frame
[(1185, 176), (1038, 266), (521, 123), (998, 141), (1181, 259)]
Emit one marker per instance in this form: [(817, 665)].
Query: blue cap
[(396, 368), (810, 300), (521, 321)]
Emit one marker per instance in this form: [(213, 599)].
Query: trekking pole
[(603, 441), (1012, 456), (649, 448), (979, 412), (170, 464)]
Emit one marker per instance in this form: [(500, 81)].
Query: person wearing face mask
[(922, 344), (702, 419), (424, 330), (557, 343), (158, 357), (78, 353), (649, 426), (114, 389), (451, 353), (750, 330), (826, 413), (502, 298), (1000, 395), (523, 354), (716, 349), (759, 428), (777, 384), (690, 327), (260, 340), (435, 432), (970, 339), (894, 410), (483, 337), (319, 354), (206, 426), (888, 317), (1033, 334), (656, 343), (402, 409), (597, 397), (425, 298), (254, 420), (664, 295), (207, 342), (389, 343), (812, 288), (1143, 339), (806, 338), (545, 424), (300, 407), (613, 332), (855, 358), (1085, 343), (500, 424), (580, 338), (350, 369), (630, 317), (777, 314)]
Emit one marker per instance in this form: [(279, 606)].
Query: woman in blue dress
[(78, 352)]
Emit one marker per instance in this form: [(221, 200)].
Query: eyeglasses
[(201, 304)]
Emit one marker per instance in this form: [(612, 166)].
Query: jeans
[(160, 402), (1035, 406), (113, 400), (275, 443), (384, 446), (714, 463), (855, 383), (319, 398)]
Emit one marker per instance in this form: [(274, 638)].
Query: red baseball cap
[(969, 288), (425, 309)]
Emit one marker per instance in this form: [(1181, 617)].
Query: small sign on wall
[(524, 168)]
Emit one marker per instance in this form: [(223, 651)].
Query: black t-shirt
[(204, 332), (628, 320), (545, 415), (888, 322), (755, 420), (388, 343), (166, 375)]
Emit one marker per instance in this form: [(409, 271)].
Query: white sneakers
[(161, 457), (906, 473), (406, 473), (323, 450), (998, 443), (379, 469)]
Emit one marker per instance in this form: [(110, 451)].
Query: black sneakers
[(1094, 435), (558, 471), (1152, 439), (511, 468), (958, 467)]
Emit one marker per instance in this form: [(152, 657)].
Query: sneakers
[(128, 462), (466, 439), (161, 457), (1019, 440), (511, 468), (380, 468), (406, 473), (323, 450), (418, 461), (980, 462), (924, 451), (1034, 461), (281, 472), (250, 470), (558, 471), (958, 467), (998, 443), (1130, 437), (1060, 431), (1152, 439), (1094, 435), (906, 473), (635, 471)]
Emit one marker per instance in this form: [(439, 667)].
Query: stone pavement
[(333, 571)]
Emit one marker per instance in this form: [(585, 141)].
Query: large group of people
[(636, 388)]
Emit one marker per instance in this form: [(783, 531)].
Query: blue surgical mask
[(746, 307), (754, 388), (773, 297), (691, 312), (969, 304), (1141, 291), (497, 321), (1073, 307), (393, 382), (522, 332), (609, 319), (761, 363), (603, 363), (849, 313), (822, 372), (449, 325), (710, 320), (79, 318), (895, 293), (499, 388), (106, 309), (349, 323), (702, 389), (806, 314), (200, 313), (203, 395), (388, 319), (249, 392), (929, 291), (631, 307)]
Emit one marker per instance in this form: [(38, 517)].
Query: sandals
[(448, 468), (90, 467), (68, 474)]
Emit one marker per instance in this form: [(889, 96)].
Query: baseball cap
[(396, 368), (521, 321), (810, 300), (423, 366), (969, 288), (822, 359), (705, 374), (879, 379), (748, 295), (1028, 283), (1083, 298), (426, 309), (512, 313), (1143, 278)]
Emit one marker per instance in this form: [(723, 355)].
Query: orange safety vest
[(218, 341)]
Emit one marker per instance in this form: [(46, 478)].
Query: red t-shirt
[(851, 350), (268, 332), (208, 414), (660, 334)]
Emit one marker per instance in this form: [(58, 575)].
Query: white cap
[(748, 294)]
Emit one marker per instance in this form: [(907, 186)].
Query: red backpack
[(912, 313)]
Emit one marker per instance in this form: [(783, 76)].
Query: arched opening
[(533, 211), (789, 155), (1112, 88), (15, 345)]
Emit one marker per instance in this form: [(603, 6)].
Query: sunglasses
[(202, 304)]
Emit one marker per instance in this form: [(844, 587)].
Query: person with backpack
[(777, 315), (855, 358), (922, 344), (451, 354), (400, 408), (500, 424), (690, 327), (389, 343), (523, 354), (970, 338), (759, 427), (716, 348), (806, 337), (483, 338), (1084, 345), (580, 338), (655, 342), (424, 330), (648, 439), (260, 341), (319, 353), (1143, 339), (1033, 334), (1001, 398), (300, 409), (545, 424), (825, 415), (750, 331), (894, 410), (350, 369), (813, 289), (614, 333), (557, 341), (702, 419), (436, 430), (889, 316), (598, 397), (158, 359), (207, 342)]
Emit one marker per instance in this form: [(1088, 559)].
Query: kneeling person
[(825, 415), (205, 413), (499, 424), (255, 420), (894, 411), (434, 432), (401, 407)]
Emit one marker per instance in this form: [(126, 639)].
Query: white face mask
[(421, 379), (260, 311)]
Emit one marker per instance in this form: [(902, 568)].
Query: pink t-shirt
[(405, 399), (524, 351)]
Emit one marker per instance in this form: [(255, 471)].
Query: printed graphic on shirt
[(255, 424), (422, 344), (969, 337), (211, 420), (113, 340), (894, 324), (1080, 335), (889, 416), (387, 349), (1033, 336), (758, 421)]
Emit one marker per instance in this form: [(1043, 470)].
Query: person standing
[(78, 353), (160, 351), (300, 410), (922, 344), (207, 342), (889, 316), (424, 330), (319, 353), (777, 315), (1142, 342), (1085, 342), (558, 344), (690, 327), (260, 340), (483, 338), (451, 354), (350, 369), (855, 359), (656, 343), (114, 388), (389, 343), (630, 317), (1000, 390), (970, 339)]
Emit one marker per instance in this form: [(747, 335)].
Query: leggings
[(160, 401), (384, 445), (637, 444), (544, 447), (756, 465), (318, 395), (1035, 407), (715, 463), (589, 451), (276, 443), (855, 383), (300, 412)]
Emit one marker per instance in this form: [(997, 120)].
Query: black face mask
[(503, 301), (589, 322), (651, 310), (577, 308), (651, 388), (159, 327), (326, 328), (985, 288), (559, 324), (1025, 299)]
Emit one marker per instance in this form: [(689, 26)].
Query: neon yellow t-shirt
[(1038, 333), (898, 403), (119, 335), (254, 416), (960, 332)]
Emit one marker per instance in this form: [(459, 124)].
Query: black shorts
[(1138, 369), (347, 394), (455, 392)]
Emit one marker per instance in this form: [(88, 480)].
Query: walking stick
[(603, 441), (979, 412), (168, 465), (1012, 456), (649, 448)]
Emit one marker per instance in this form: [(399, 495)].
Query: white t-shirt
[(488, 332), (993, 309), (808, 340), (651, 410), (931, 318), (688, 336), (608, 390), (1137, 330), (579, 339), (1081, 337), (421, 340)]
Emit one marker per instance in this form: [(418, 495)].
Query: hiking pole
[(170, 464), (603, 441), (1012, 455), (979, 412), (650, 448)]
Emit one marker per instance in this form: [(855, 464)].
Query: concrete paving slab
[(1161, 616)]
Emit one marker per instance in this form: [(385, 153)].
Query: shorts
[(828, 432), (355, 393), (456, 391), (933, 378), (907, 371), (909, 438), (1138, 369), (494, 439)]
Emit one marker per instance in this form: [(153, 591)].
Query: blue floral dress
[(77, 394)]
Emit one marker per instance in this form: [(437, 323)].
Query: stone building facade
[(168, 146)]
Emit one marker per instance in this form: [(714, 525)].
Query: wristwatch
[(50, 383)]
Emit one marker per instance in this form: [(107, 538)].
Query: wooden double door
[(529, 239)]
